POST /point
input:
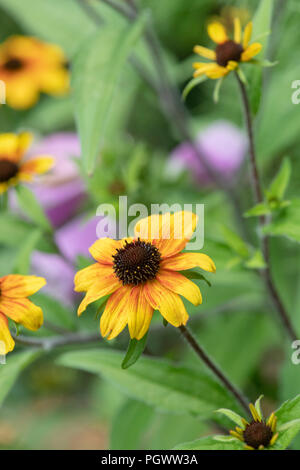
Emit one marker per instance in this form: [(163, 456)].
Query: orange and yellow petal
[(139, 313), (232, 65), (205, 52), (16, 285), (237, 30), (169, 304), (104, 249), (55, 81), (105, 285), (115, 315), (7, 344), (217, 32), (36, 166), (213, 70), (183, 261), (22, 93), (24, 142), (85, 278), (9, 146), (251, 51), (179, 284), (247, 34), (168, 232), (22, 311)]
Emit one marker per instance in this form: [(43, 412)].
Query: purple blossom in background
[(222, 144), (60, 191)]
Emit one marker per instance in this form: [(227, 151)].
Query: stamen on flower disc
[(257, 434), (228, 51), (136, 263), (13, 64)]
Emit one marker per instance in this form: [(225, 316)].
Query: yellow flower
[(141, 274), (28, 67), (12, 169), (14, 290), (228, 53)]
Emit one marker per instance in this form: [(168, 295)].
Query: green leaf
[(10, 371), (96, 71), (22, 263), (193, 274), (55, 312), (256, 261), (235, 242), (128, 437), (217, 90), (211, 443), (156, 382), (288, 411), (261, 24), (192, 84), (286, 223), (280, 183), (287, 434), (32, 208), (260, 209), (232, 416), (134, 351)]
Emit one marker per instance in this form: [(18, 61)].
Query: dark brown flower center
[(228, 50), (13, 64), (136, 263), (8, 170), (257, 434)]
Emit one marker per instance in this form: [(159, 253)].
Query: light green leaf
[(96, 71), (258, 406), (217, 90), (256, 261), (22, 263), (192, 84), (280, 183), (9, 372), (232, 416), (286, 223), (134, 351), (260, 209), (32, 208), (210, 443), (235, 242), (287, 434), (289, 411), (156, 382)]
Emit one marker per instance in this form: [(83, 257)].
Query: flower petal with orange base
[(139, 313), (9, 145), (183, 261), (7, 344), (169, 304), (16, 286), (115, 316), (36, 166), (179, 284), (85, 278), (22, 311), (103, 286)]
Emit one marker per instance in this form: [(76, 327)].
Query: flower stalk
[(213, 367)]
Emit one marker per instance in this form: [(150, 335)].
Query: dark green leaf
[(193, 274), (280, 183), (134, 351)]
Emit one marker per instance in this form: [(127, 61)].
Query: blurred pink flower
[(222, 144), (61, 190)]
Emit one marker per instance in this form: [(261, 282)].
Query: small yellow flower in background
[(28, 67), (141, 274), (228, 53), (228, 14), (14, 304), (12, 169), (258, 434)]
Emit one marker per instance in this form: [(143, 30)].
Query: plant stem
[(258, 195), (213, 367)]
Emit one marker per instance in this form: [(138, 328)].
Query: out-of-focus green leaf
[(156, 382), (286, 223), (235, 242), (22, 263), (55, 312), (192, 84), (210, 443), (260, 209), (193, 274), (128, 436), (280, 183), (9, 372), (256, 261), (32, 208), (134, 351), (261, 25), (288, 411), (96, 71)]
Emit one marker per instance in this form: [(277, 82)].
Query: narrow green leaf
[(9, 372), (134, 351), (235, 242), (22, 263), (95, 74), (231, 415), (192, 84), (280, 183), (211, 443), (32, 208), (217, 90), (193, 274), (156, 382), (260, 209)]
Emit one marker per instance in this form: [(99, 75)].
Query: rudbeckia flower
[(12, 169), (228, 53), (142, 275), (28, 67), (14, 304)]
